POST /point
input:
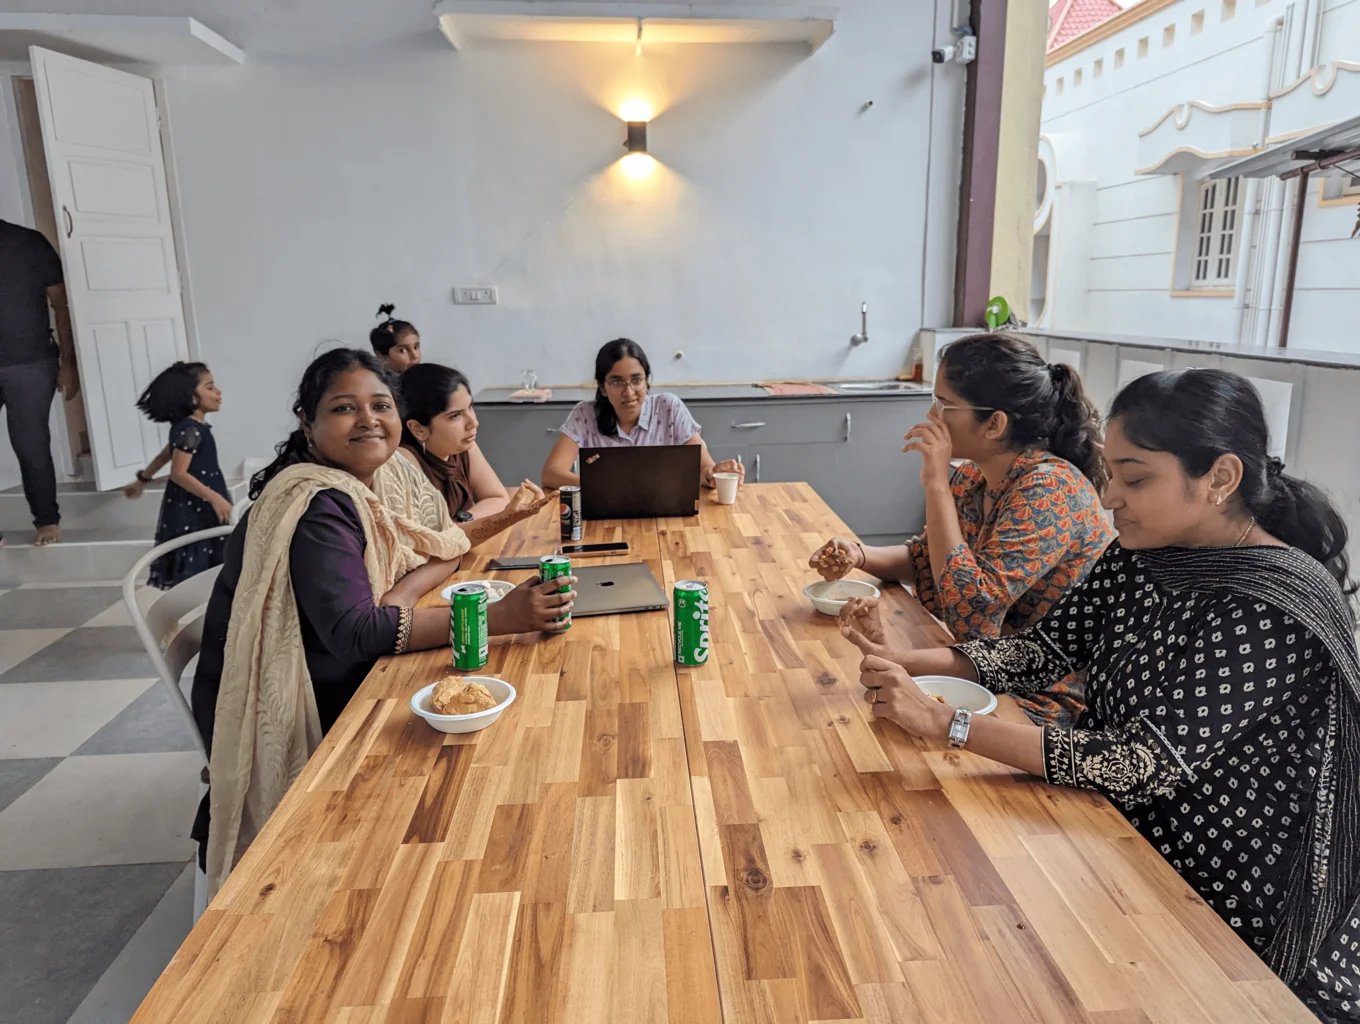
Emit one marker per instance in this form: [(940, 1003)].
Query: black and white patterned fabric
[(1223, 690)]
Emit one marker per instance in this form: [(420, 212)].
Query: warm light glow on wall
[(635, 110), (637, 165)]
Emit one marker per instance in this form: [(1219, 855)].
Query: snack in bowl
[(460, 717), (454, 695)]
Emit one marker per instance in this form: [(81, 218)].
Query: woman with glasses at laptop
[(625, 414), (1017, 525)]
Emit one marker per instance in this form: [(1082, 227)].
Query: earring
[(1218, 500)]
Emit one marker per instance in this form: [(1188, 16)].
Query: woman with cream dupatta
[(320, 580)]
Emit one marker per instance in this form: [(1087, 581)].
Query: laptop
[(652, 482), (616, 590)]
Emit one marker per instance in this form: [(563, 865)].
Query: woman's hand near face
[(533, 606), (932, 440)]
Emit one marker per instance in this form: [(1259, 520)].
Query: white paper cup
[(727, 487)]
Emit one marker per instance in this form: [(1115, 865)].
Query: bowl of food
[(830, 596), (495, 589), (463, 703), (958, 693)]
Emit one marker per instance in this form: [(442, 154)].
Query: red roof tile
[(1068, 19)]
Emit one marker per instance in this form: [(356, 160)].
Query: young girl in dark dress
[(196, 498)]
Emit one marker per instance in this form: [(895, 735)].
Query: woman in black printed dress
[(1221, 677)]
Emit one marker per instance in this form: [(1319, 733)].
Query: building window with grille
[(1206, 237), (1215, 233)]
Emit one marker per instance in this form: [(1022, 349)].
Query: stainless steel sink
[(881, 386)]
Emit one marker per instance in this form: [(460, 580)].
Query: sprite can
[(691, 622), (467, 623), (570, 508), (551, 567)]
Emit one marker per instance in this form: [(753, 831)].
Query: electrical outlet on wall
[(485, 296)]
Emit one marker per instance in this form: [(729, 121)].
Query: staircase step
[(81, 556), (84, 508)]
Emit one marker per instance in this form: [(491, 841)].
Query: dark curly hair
[(315, 380), (390, 331), (170, 397)]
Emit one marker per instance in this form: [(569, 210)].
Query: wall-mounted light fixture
[(638, 163)]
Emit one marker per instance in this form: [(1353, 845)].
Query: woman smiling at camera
[(626, 414), (320, 580), (1014, 528), (1222, 686)]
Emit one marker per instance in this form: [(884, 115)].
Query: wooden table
[(737, 842)]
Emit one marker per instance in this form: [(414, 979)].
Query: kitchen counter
[(847, 444), (704, 393)]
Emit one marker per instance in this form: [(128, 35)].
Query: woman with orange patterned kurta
[(1017, 525)]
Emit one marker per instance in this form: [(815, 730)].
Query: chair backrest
[(169, 629)]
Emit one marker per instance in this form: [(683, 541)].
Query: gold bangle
[(405, 616)]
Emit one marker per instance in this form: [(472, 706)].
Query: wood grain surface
[(740, 842)]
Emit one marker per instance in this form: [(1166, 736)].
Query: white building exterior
[(1132, 238)]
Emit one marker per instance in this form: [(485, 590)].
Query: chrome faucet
[(862, 338)]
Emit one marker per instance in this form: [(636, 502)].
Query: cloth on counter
[(786, 388), (530, 395)]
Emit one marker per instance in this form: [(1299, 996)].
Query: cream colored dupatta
[(266, 721)]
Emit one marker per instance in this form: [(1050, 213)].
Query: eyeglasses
[(945, 407), (637, 382)]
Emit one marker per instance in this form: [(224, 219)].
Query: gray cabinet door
[(867, 480), (516, 439)]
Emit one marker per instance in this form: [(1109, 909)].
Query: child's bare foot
[(47, 535)]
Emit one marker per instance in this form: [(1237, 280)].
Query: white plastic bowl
[(499, 688), (959, 693), (495, 589), (830, 596)]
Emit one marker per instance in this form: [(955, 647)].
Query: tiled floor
[(98, 785)]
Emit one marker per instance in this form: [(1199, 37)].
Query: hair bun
[(387, 309), (1274, 468)]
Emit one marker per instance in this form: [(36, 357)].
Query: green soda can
[(551, 567), (467, 623), (691, 622)]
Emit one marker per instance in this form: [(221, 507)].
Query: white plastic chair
[(171, 630)]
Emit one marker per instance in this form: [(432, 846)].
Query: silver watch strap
[(959, 726)]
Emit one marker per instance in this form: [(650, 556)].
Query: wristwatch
[(958, 727), (141, 475), (462, 517)]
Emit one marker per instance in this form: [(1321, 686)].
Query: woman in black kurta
[(1222, 680)]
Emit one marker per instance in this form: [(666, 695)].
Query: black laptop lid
[(652, 482)]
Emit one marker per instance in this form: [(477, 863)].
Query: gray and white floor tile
[(99, 782)]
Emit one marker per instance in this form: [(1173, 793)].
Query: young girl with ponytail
[(1017, 525), (1222, 682), (395, 342)]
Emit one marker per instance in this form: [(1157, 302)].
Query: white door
[(102, 136)]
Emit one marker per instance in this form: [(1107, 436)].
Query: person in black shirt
[(32, 365)]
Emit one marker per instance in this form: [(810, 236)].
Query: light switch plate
[(478, 296)]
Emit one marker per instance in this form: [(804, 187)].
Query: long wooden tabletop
[(634, 842)]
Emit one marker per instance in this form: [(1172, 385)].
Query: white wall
[(311, 192), (1133, 234), (311, 188)]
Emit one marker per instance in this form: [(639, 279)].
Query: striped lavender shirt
[(664, 420)]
